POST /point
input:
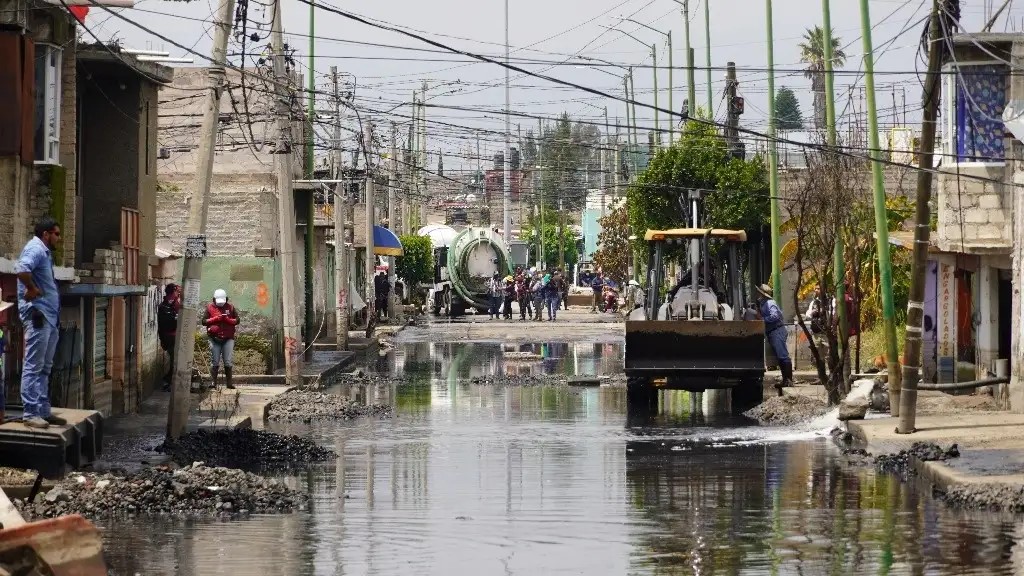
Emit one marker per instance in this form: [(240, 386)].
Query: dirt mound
[(245, 448), (307, 406), (788, 410)]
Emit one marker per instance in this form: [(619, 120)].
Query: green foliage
[(253, 343), (417, 264), (613, 254), (550, 236), (787, 110), (700, 159)]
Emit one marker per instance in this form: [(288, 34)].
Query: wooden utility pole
[(340, 233), (732, 122), (283, 152), (922, 230), (195, 245)]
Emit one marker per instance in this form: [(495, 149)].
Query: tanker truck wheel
[(747, 394), (446, 302), (436, 305)]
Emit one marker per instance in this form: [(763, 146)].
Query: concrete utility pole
[(285, 206), (691, 88), (392, 195), (195, 245), (506, 184), (423, 151), (308, 246), (881, 217), (773, 161), (707, 56), (732, 121), (542, 261), (340, 234), (371, 266), (922, 231), (604, 162)]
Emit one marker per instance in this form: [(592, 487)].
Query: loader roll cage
[(658, 240)]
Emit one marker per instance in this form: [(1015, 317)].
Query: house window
[(47, 109), (975, 99)]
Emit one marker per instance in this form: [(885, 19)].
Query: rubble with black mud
[(988, 497), (788, 410), (524, 380), (308, 406), (196, 490), (902, 463), (245, 448)]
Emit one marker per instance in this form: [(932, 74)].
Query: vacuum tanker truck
[(464, 262)]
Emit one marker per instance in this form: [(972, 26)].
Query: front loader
[(700, 335)]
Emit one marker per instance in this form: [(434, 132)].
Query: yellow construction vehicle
[(700, 335)]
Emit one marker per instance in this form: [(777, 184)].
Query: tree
[(812, 53), (787, 110), (613, 252), (416, 264), (549, 232), (738, 195)]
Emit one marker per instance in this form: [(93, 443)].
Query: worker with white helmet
[(220, 320)]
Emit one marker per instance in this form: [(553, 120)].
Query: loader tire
[(747, 394)]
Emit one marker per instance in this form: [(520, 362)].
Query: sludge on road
[(471, 478)]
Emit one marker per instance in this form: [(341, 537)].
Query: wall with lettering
[(946, 321)]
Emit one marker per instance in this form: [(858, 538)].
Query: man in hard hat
[(220, 320), (775, 332)]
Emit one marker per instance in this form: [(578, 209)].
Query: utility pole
[(506, 184), (414, 148), (307, 276), (922, 231), (423, 152), (773, 161), (392, 195), (285, 206), (629, 123), (340, 234), (838, 264), (604, 162), (881, 217), (195, 245), (371, 265), (540, 162), (632, 99), (707, 56), (691, 88), (732, 122), (657, 123)]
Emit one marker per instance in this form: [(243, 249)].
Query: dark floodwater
[(479, 480)]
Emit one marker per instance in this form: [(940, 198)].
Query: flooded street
[(483, 479)]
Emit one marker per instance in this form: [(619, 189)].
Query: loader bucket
[(667, 348)]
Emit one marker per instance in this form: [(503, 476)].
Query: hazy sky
[(556, 30)]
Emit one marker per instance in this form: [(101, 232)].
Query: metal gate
[(99, 348)]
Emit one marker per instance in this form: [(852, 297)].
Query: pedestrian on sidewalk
[(39, 309), (510, 296), (597, 286), (563, 294), (537, 293), (494, 291), (775, 332), (167, 327), (552, 294), (381, 290), (220, 320), (522, 294)]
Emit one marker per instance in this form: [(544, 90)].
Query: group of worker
[(533, 290)]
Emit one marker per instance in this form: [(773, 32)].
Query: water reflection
[(478, 479), (455, 360)]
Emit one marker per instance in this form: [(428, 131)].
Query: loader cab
[(712, 289)]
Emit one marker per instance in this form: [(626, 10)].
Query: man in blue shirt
[(775, 332), (39, 309)]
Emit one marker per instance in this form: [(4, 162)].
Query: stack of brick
[(107, 267)]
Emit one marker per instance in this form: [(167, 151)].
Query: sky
[(556, 31)]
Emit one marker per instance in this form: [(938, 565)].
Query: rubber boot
[(787, 373), (213, 375), (227, 378)]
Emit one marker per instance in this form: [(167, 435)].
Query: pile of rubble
[(789, 410), (902, 463), (307, 406), (245, 448), (190, 491)]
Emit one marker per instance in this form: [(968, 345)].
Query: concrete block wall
[(107, 267), (974, 215), (242, 213)]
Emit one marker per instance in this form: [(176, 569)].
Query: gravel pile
[(190, 491), (245, 448), (788, 410), (989, 497), (901, 463), (307, 406)]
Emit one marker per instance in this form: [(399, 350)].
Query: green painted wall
[(253, 286)]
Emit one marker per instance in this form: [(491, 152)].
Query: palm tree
[(812, 53)]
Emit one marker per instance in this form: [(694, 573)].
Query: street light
[(654, 56), (668, 35)]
